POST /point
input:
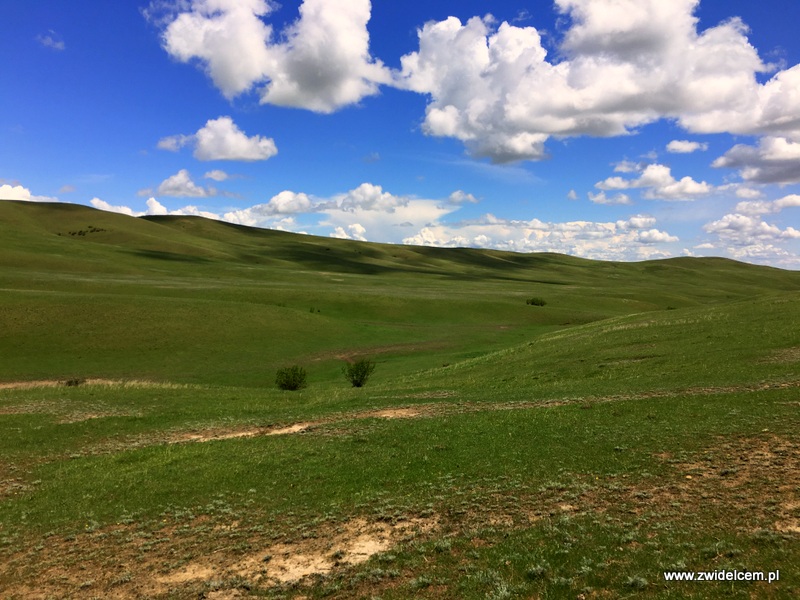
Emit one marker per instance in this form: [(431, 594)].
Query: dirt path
[(428, 410)]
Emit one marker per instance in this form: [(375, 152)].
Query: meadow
[(644, 419)]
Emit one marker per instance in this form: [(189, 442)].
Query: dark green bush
[(535, 301), (359, 371), (291, 378)]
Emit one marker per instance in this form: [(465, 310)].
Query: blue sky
[(609, 129)]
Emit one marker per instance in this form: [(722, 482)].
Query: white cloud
[(621, 240), (659, 184), (154, 207), (774, 160), (369, 197), (221, 139), (284, 203), (601, 198), (321, 63), (654, 236), (685, 147), (18, 192), (747, 230), (749, 193), (387, 217), (354, 232), (572, 195), (461, 197), (103, 205), (181, 185), (14, 192), (51, 40), (627, 166), (762, 207), (217, 175), (622, 64), (173, 143)]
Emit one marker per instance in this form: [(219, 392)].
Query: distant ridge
[(47, 233)]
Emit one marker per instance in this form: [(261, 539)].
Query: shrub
[(535, 302), (359, 371), (291, 378)]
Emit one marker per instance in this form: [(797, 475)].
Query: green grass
[(643, 419)]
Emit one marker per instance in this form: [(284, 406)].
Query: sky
[(607, 129)]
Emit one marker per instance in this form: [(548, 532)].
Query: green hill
[(643, 420), (89, 293)]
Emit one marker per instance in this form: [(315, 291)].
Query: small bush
[(359, 371), (291, 378), (535, 302)]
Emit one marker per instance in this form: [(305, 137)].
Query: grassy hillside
[(88, 293), (644, 420)]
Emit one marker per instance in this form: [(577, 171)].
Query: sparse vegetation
[(358, 371), (291, 378)]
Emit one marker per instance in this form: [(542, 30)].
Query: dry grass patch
[(126, 562)]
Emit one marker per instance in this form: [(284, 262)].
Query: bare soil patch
[(124, 563), (350, 544), (786, 355)]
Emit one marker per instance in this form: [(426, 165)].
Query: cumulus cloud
[(216, 175), (601, 198), (18, 192), (320, 62), (354, 232), (762, 207), (154, 207), (221, 139), (461, 197), (369, 197), (685, 147), (746, 230), (632, 239), (654, 236), (103, 205), (181, 185), (623, 64), (746, 192), (173, 143), (284, 203), (659, 184), (773, 160)]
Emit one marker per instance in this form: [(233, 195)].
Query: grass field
[(643, 420)]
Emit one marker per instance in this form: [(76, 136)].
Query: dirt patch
[(785, 355), (350, 544), (190, 573), (296, 428), (211, 435), (24, 385), (330, 548), (754, 482), (395, 413)]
